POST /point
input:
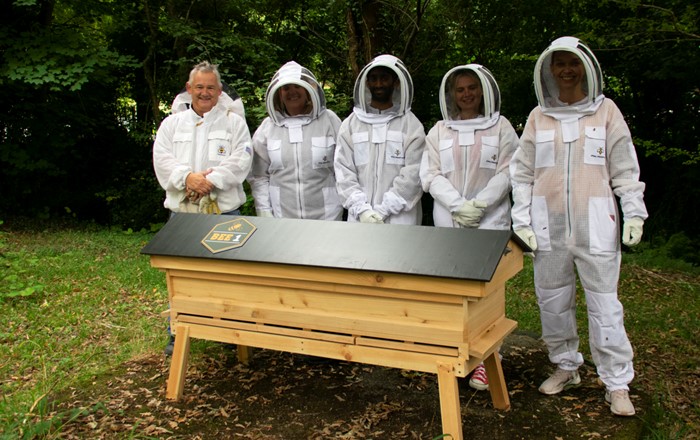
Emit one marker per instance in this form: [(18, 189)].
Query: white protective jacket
[(468, 159), (572, 161), (187, 143), (378, 155), (292, 174)]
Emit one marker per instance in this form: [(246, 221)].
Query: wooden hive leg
[(244, 354), (497, 382), (449, 401), (178, 364)]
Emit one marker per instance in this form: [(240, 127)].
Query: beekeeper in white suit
[(204, 153), (380, 147), (575, 156), (465, 164), (292, 175)]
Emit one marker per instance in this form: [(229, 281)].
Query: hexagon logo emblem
[(228, 235)]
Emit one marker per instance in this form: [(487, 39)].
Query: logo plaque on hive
[(228, 235)]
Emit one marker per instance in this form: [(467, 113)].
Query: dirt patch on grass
[(284, 396)]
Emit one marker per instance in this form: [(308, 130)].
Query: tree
[(86, 82), (58, 122), (650, 59)]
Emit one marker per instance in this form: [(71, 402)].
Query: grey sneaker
[(620, 403), (559, 381)]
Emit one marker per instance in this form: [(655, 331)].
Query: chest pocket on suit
[(182, 142), (447, 160), (489, 152), (360, 143), (274, 151), (395, 154), (322, 151), (219, 145), (544, 148), (594, 146)]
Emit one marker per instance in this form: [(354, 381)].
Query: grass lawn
[(77, 302)]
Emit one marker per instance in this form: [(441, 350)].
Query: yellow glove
[(632, 231), (261, 213), (209, 205)]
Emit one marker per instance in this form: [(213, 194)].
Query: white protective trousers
[(555, 285)]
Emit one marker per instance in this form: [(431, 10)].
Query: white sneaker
[(559, 381), (620, 403)]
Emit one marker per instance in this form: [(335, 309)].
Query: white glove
[(527, 235), (371, 216), (263, 213), (470, 213), (632, 231)]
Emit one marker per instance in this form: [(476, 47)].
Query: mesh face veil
[(293, 73), (546, 87), (490, 101), (403, 92)]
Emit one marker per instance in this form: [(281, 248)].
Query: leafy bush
[(134, 201), (679, 252)]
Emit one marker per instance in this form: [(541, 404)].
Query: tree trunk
[(363, 36), (151, 9)]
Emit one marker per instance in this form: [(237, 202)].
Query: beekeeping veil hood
[(490, 102), (403, 91), (294, 73), (547, 90), (546, 87)]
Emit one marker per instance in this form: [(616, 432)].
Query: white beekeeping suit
[(292, 175), (378, 155), (218, 141), (573, 160), (466, 160)]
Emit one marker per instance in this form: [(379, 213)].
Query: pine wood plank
[(449, 401), (274, 329), (497, 383), (178, 364)]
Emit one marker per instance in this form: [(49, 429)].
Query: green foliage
[(134, 200), (678, 252), (86, 82), (649, 49), (248, 207), (521, 300), (666, 153), (58, 125), (63, 55)]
